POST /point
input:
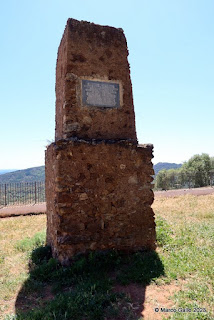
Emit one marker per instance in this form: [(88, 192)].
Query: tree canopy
[(198, 171)]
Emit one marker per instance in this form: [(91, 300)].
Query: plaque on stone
[(100, 94)]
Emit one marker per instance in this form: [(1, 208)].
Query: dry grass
[(13, 263), (12, 229), (186, 252), (185, 208)]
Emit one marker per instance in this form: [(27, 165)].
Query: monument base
[(99, 197)]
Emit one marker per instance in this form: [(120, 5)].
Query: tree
[(161, 180), (171, 177), (198, 168), (198, 171), (187, 174), (212, 171)]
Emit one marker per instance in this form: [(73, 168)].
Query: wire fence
[(13, 194)]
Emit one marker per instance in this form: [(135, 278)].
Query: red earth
[(181, 192)]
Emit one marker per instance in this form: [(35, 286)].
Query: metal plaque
[(100, 94)]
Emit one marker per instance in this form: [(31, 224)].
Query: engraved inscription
[(100, 94)]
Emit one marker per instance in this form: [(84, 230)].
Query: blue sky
[(171, 54)]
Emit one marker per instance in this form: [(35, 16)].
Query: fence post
[(5, 194)]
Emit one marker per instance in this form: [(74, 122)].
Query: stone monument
[(98, 178)]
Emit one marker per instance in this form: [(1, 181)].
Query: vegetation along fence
[(22, 193)]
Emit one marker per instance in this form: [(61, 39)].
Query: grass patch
[(28, 243), (137, 267), (163, 232), (186, 250), (85, 290), (85, 302), (14, 263)]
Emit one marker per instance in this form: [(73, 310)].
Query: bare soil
[(182, 192), (12, 211), (149, 300)]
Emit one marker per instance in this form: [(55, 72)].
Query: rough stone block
[(102, 199), (96, 53)]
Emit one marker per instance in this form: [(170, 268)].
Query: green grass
[(46, 290), (186, 240), (163, 232), (28, 243), (13, 262), (184, 256), (85, 290)]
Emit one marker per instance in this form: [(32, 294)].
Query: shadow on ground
[(107, 285)]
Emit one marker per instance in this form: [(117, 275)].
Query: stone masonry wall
[(93, 52), (98, 179), (100, 198), (61, 71)]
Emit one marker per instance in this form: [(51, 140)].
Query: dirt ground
[(181, 192), (149, 300), (12, 211)]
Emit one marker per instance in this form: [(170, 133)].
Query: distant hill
[(26, 175), (2, 171), (166, 165)]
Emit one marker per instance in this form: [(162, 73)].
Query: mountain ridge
[(24, 175), (166, 165)]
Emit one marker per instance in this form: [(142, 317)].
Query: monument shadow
[(99, 285)]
